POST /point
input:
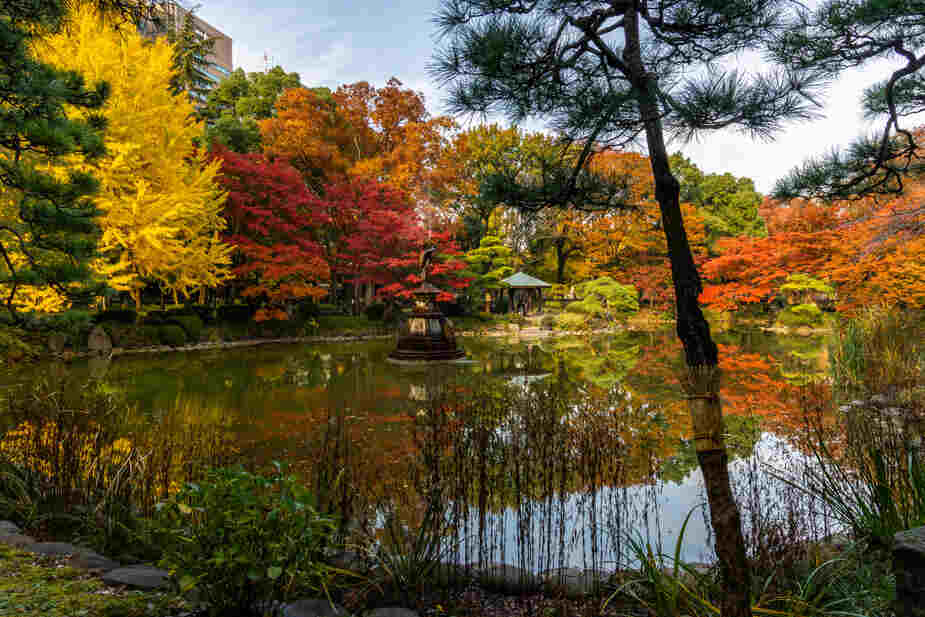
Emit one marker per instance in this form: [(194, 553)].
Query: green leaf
[(274, 572)]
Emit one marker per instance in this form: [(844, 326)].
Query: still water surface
[(548, 452)]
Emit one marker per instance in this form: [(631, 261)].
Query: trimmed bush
[(235, 313), (126, 316), (571, 321), (155, 318), (374, 312), (808, 315), (172, 335), (191, 325), (548, 322), (328, 309), (604, 297)]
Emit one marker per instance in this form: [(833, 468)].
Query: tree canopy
[(842, 34)]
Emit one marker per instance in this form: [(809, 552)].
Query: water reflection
[(545, 453)]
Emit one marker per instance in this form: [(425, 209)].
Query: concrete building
[(219, 60)]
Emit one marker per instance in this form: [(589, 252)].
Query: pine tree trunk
[(702, 383)]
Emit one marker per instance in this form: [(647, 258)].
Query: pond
[(542, 453)]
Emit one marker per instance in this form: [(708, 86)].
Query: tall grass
[(880, 351), (79, 461)]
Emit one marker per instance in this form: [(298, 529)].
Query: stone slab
[(313, 607), (57, 548), (391, 612), (93, 562), (9, 527), (17, 540), (139, 577)]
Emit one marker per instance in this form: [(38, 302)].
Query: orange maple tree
[(383, 134)]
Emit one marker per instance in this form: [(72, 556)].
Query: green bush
[(126, 316), (13, 345), (144, 336), (548, 322), (242, 540), (571, 321), (328, 309), (374, 312), (235, 313), (75, 323), (192, 325), (604, 297), (808, 315), (172, 335)]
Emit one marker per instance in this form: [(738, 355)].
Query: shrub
[(374, 312), (13, 345), (75, 323), (548, 322), (808, 315), (126, 316), (235, 313), (604, 297), (172, 335), (146, 336), (571, 321), (154, 318), (244, 541), (192, 325), (328, 309)]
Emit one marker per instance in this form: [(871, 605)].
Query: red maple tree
[(273, 220)]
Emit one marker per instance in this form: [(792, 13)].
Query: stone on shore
[(574, 582), (9, 527), (139, 577), (99, 341), (93, 562), (313, 607), (909, 568), (17, 540), (391, 612), (506, 578), (57, 548)]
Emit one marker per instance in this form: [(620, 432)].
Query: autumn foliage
[(271, 218)]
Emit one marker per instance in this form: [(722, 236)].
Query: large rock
[(99, 341), (313, 607), (391, 612), (909, 568), (573, 582), (53, 549), (93, 562), (506, 578), (9, 527), (139, 577), (16, 540)]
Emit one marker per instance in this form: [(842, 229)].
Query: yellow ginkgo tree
[(161, 206)]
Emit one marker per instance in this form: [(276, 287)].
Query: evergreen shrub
[(172, 335)]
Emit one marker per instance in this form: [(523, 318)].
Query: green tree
[(843, 34), (728, 205), (47, 229), (234, 106), (190, 56), (604, 73)]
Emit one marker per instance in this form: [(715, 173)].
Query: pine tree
[(838, 35), (191, 50), (47, 228), (604, 73)]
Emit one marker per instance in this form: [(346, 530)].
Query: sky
[(335, 42)]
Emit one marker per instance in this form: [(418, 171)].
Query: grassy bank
[(35, 586)]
